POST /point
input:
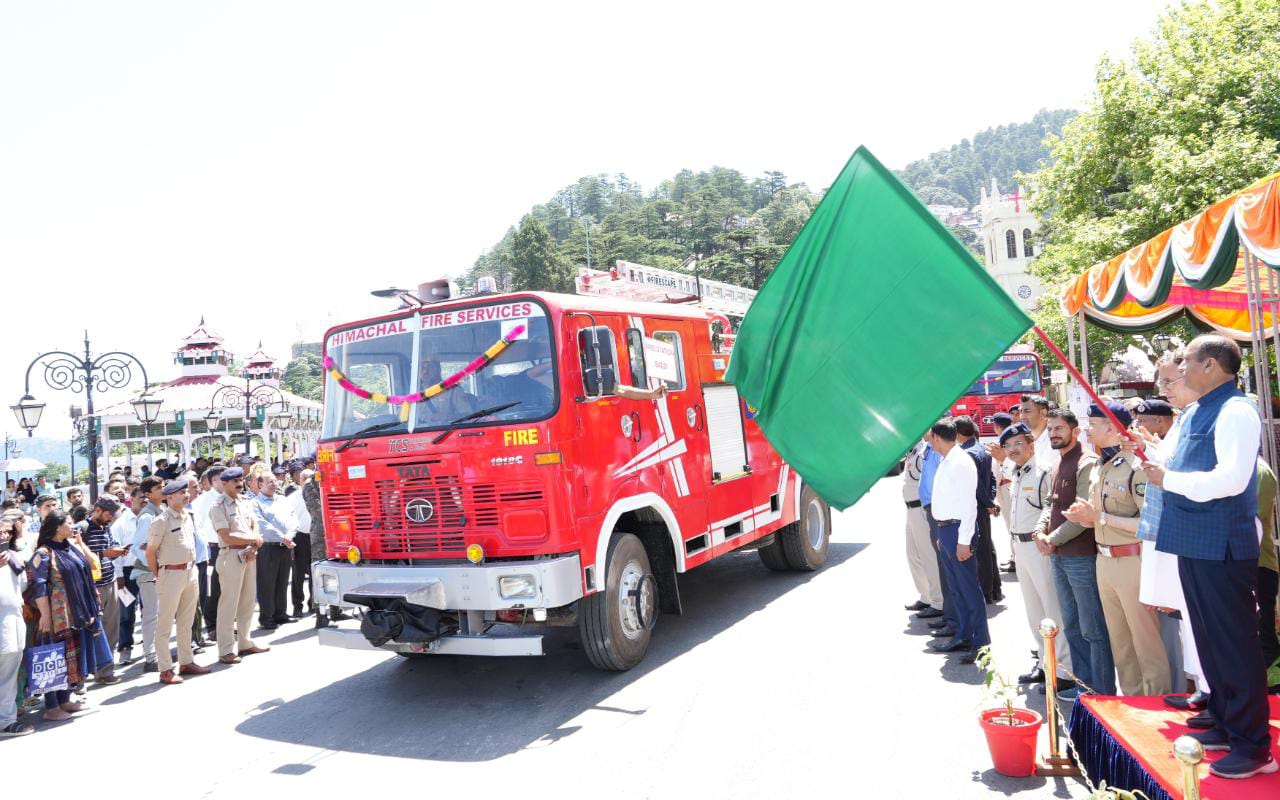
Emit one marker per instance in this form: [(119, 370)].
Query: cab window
[(672, 338), (598, 355), (635, 354)]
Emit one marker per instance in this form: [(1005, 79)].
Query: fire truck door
[(610, 431)]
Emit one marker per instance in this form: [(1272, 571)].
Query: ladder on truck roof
[(654, 285)]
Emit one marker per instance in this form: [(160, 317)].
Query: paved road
[(771, 685)]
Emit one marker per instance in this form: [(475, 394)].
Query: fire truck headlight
[(329, 584), (353, 554), (512, 587), (475, 554)]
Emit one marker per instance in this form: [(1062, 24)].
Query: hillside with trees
[(720, 224)]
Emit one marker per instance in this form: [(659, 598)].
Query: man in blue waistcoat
[(1208, 519)]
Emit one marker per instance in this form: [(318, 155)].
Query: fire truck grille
[(430, 514)]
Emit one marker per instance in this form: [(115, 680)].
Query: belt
[(175, 566), (1120, 550), (945, 522), (913, 503), (1024, 537), (234, 547), (273, 544)]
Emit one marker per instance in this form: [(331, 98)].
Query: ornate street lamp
[(63, 370), (232, 396)]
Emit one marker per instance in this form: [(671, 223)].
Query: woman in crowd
[(26, 494), (69, 609)]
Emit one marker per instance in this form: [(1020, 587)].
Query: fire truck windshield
[(409, 354), (1009, 375)]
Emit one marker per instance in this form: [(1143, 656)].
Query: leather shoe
[(944, 631), (918, 605), (192, 669), (952, 646), (229, 658), (970, 656), (1034, 676), (248, 651), (1203, 721), (938, 623), (269, 625), (929, 612), (168, 677), (1193, 702)]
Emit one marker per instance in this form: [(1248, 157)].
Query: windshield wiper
[(484, 412), (381, 426)]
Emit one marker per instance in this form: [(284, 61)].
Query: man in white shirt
[(1035, 415), (1209, 520), (300, 576), (207, 575), (122, 532), (953, 506)]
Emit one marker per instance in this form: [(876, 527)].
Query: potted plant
[(1011, 732)]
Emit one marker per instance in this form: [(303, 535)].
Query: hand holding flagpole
[(1053, 348)]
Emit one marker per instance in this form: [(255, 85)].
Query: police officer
[(1029, 494), (1155, 415), (171, 555), (921, 555), (1116, 495), (232, 519)]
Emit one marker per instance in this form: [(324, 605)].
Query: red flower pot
[(1013, 747)]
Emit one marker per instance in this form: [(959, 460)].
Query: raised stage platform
[(1128, 742)]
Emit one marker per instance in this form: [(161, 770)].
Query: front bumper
[(450, 587)]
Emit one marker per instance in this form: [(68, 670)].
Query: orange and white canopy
[(1195, 268)]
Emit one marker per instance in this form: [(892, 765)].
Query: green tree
[(536, 262), (1193, 115), (54, 472), (304, 376)]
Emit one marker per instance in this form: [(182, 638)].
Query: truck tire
[(773, 556), (805, 542), (616, 624)]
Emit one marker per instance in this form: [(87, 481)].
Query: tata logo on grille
[(419, 510)]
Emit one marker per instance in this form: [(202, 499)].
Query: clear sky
[(266, 164)]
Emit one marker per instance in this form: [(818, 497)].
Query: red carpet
[(1145, 728)]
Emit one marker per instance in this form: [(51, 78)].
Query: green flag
[(873, 322)]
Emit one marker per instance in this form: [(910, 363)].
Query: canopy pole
[(1071, 344), (1124, 429), (1258, 339), (1084, 346)]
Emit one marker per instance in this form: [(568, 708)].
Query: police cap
[(1001, 418), (174, 486), (1122, 413), (232, 473), (1155, 407), (277, 471), (1018, 429)]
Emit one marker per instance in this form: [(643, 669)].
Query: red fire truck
[(531, 493), (1014, 374)]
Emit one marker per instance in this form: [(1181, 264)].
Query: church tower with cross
[(1009, 242)]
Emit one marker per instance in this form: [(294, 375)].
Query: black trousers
[(209, 595), (273, 563), (129, 613), (1222, 611), (950, 609), (988, 565), (301, 567), (1268, 584)]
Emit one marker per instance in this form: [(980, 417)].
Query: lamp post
[(263, 395), (63, 370), (9, 441)]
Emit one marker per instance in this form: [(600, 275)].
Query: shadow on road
[(478, 709)]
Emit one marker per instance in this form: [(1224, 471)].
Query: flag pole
[(1053, 348)]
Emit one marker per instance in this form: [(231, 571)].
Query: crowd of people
[(1147, 534), (196, 548)]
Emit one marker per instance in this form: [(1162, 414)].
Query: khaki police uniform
[(1029, 493), (172, 538), (922, 559), (237, 574), (1118, 489)]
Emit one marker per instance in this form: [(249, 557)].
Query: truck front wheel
[(805, 542), (616, 624)]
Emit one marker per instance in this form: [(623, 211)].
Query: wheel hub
[(815, 525), (636, 595)]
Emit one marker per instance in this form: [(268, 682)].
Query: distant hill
[(720, 224), (48, 451), (1001, 152)]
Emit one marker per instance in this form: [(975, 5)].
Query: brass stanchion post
[(1190, 753), (1055, 764)]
